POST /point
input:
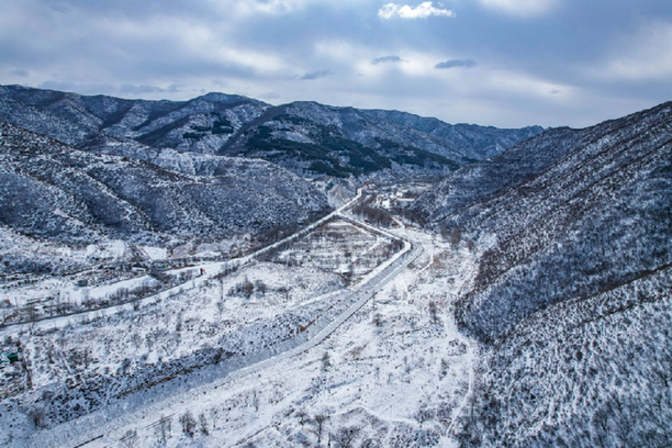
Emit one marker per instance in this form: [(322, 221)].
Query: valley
[(221, 272), (277, 313)]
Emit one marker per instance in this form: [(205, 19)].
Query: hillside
[(308, 138), (53, 191), (572, 296)]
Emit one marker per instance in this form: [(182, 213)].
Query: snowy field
[(396, 373)]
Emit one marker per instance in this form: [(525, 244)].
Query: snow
[(155, 253), (395, 374)]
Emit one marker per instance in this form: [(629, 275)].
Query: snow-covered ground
[(392, 371), (390, 376), (39, 299)]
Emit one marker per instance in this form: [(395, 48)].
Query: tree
[(188, 423), (326, 363), (203, 422), (163, 429), (214, 413), (344, 436), (455, 238), (302, 416), (445, 232), (319, 421), (129, 439), (260, 286), (37, 417), (423, 415), (433, 312), (255, 401)]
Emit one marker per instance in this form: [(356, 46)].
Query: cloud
[(520, 8), (81, 88), (451, 63), (316, 74), (422, 11), (385, 59), (131, 89), (646, 56), (20, 72)]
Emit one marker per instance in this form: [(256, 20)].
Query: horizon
[(501, 63)]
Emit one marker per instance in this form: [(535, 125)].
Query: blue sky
[(506, 63)]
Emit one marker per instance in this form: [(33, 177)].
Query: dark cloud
[(452, 63), (315, 75), (385, 59), (23, 73)]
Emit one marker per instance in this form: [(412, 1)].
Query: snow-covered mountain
[(556, 268), (308, 138), (572, 297), (54, 191)]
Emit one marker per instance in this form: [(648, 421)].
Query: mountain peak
[(218, 97)]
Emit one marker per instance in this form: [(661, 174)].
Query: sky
[(505, 63)]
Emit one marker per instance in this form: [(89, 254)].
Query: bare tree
[(214, 414), (255, 401), (163, 429), (326, 363), (444, 369), (188, 423), (129, 439), (302, 416), (369, 443), (203, 423), (136, 339), (433, 311), (260, 286), (455, 238), (37, 417), (319, 421), (445, 232), (344, 436), (423, 415)]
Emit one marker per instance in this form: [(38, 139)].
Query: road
[(210, 271), (103, 428)]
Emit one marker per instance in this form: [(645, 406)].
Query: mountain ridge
[(572, 289), (72, 190), (341, 141)]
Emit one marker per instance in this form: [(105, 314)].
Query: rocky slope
[(308, 138), (572, 299)]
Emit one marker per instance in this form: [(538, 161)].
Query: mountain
[(572, 297), (54, 191), (308, 138), (471, 141)]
